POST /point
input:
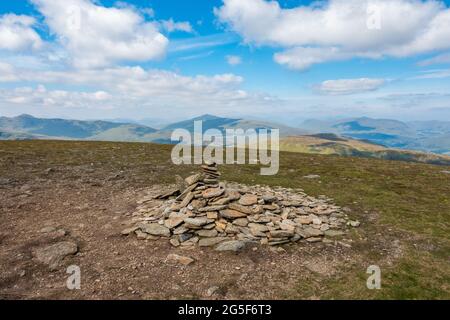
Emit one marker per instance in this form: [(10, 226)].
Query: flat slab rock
[(233, 245), (175, 258), (53, 255), (227, 217)]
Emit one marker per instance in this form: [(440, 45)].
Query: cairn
[(208, 213), (211, 174)]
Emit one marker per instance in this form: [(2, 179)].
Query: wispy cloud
[(439, 59), (434, 74), (349, 86), (202, 42), (196, 56)]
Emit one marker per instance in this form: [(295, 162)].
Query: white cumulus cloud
[(340, 29), (97, 36), (17, 33), (123, 87)]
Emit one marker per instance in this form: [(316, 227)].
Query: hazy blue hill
[(429, 136), (209, 122), (4, 135), (73, 129), (126, 132), (377, 125), (438, 127), (352, 126), (213, 122)]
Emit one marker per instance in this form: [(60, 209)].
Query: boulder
[(53, 255)]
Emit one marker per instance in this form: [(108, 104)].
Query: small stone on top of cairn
[(211, 174)]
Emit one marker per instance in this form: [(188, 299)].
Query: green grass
[(392, 199)]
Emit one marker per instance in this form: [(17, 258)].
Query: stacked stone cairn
[(208, 213)]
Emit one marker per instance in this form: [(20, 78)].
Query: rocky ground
[(64, 204)]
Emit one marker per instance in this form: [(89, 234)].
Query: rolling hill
[(427, 136), (334, 145), (358, 137)]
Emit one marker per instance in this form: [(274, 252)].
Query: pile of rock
[(208, 213), (211, 174)]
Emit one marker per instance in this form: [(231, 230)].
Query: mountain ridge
[(363, 137)]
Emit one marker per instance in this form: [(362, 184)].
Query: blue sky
[(288, 60)]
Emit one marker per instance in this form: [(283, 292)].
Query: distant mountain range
[(364, 137), (427, 136), (28, 127)]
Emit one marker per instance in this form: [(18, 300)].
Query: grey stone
[(269, 198), (212, 193), (193, 179), (187, 199), (314, 239), (212, 208), (354, 224), (309, 232), (207, 233), (53, 255), (210, 242), (281, 233), (211, 291), (180, 230), (232, 214), (240, 208), (233, 245), (173, 222), (175, 258), (248, 200), (258, 230), (241, 222), (195, 222), (185, 237), (334, 233), (129, 231), (156, 230)]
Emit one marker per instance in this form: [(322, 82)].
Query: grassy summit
[(404, 207)]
